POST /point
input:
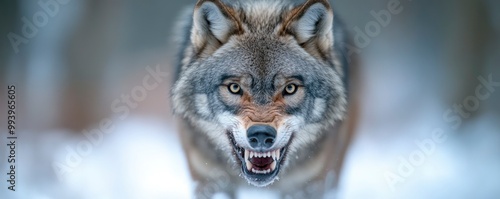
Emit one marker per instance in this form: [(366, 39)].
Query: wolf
[(261, 95)]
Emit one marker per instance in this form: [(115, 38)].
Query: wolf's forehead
[(269, 61)]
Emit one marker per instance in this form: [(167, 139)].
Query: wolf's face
[(261, 82)]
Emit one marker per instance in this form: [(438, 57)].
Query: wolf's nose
[(261, 136)]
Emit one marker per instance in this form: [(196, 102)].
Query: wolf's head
[(261, 80)]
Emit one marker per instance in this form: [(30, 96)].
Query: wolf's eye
[(290, 89), (234, 88)]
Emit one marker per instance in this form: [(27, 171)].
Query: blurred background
[(94, 120)]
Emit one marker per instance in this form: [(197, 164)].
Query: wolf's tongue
[(261, 162)]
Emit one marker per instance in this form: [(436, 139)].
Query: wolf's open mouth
[(260, 166), (261, 163)]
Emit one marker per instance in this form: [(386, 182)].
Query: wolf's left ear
[(213, 23), (311, 25)]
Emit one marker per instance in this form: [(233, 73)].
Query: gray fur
[(261, 57)]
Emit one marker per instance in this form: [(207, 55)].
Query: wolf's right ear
[(213, 24)]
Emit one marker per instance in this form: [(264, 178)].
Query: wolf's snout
[(261, 136)]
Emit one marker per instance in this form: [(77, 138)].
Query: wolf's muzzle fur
[(261, 94)]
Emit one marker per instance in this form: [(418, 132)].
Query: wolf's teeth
[(274, 154), (247, 159), (261, 171), (248, 164), (273, 165)]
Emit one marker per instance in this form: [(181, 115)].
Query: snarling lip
[(259, 167)]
